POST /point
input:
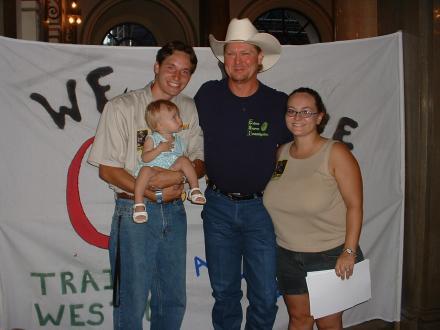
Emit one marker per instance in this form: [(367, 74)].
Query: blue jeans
[(239, 232), (152, 259)]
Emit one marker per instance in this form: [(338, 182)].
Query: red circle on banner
[(78, 218)]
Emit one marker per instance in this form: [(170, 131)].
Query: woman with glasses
[(315, 201)]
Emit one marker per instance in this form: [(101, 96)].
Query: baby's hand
[(165, 146)]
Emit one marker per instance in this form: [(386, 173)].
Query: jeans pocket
[(124, 209)]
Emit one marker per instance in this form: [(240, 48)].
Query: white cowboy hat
[(242, 30)]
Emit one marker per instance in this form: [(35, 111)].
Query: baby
[(163, 149)]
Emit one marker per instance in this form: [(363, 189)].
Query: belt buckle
[(241, 197), (235, 196)]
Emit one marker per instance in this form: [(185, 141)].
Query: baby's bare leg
[(140, 210), (145, 173), (184, 164)]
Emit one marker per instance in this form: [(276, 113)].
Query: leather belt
[(124, 195), (236, 196)]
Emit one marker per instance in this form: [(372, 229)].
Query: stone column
[(29, 20)]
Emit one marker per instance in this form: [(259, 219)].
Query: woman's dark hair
[(320, 106), (169, 48)]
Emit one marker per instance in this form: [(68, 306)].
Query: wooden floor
[(373, 325)]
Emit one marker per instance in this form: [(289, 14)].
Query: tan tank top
[(305, 204)]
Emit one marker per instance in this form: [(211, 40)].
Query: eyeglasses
[(302, 114)]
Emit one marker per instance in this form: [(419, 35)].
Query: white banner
[(56, 212)]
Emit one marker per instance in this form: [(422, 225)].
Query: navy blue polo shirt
[(241, 135)]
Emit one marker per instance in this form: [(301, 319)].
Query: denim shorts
[(292, 267)]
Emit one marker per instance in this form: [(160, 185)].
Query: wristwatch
[(349, 251), (159, 196)]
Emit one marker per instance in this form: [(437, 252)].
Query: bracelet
[(159, 196), (349, 252), (184, 179)]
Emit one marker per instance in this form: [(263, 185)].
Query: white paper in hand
[(329, 294)]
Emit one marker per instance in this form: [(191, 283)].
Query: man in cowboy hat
[(243, 123)]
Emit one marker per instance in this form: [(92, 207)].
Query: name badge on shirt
[(279, 168), (140, 139)]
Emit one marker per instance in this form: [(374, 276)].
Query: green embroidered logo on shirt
[(254, 128)]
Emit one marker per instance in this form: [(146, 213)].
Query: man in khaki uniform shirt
[(150, 257)]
